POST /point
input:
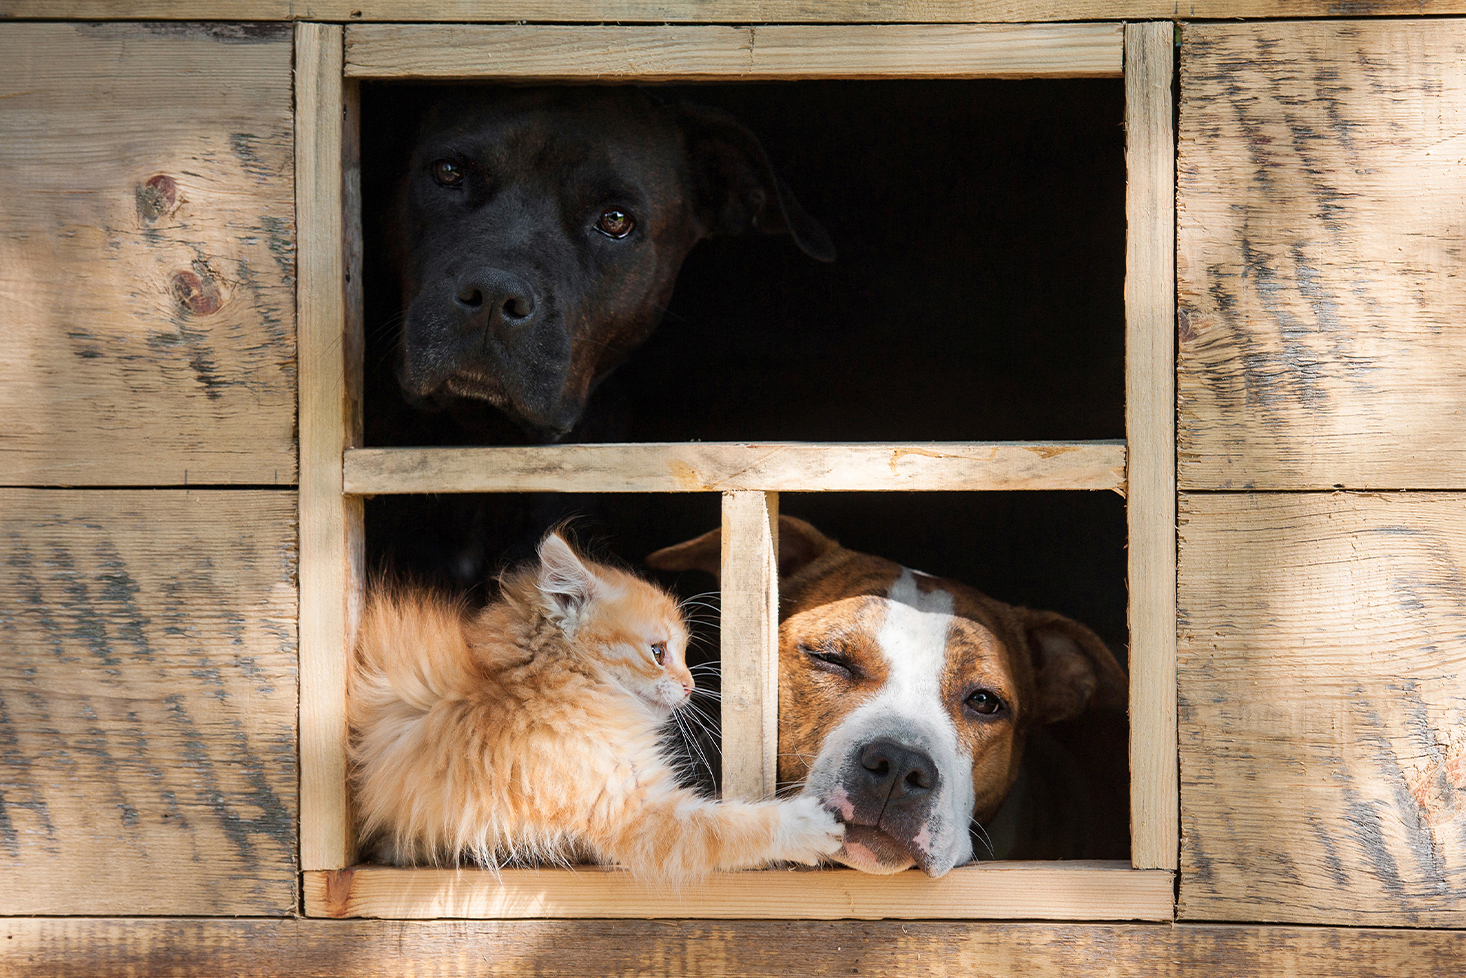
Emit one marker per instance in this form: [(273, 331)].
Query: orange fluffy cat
[(530, 732)]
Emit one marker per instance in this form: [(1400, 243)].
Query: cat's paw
[(807, 832)]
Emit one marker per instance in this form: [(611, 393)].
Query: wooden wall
[(147, 635), (1322, 662), (148, 698)]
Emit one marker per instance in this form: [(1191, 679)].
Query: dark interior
[(977, 295)]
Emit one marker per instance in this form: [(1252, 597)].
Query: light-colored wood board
[(699, 53), (711, 11), (1049, 891), (147, 702), (305, 948), (749, 636), (1321, 173), (147, 255), (1322, 689), (330, 524), (728, 466), (1150, 426)]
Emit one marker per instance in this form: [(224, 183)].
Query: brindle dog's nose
[(898, 772), (493, 300)]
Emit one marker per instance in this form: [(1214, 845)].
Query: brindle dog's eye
[(985, 703), (615, 223), (659, 652), (447, 173), (828, 660)]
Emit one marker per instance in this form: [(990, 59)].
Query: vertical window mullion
[(750, 653)]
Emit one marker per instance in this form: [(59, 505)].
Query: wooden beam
[(684, 53), (721, 467), (708, 11), (1150, 427), (147, 702), (147, 251), (1051, 891), (1322, 670), (330, 525), (749, 630), (72, 947), (1319, 246)]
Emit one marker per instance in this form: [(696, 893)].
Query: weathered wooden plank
[(682, 53), (92, 948), (1150, 427), (147, 702), (147, 255), (749, 635), (711, 11), (1320, 216), (1322, 684), (1050, 891), (725, 467), (331, 537)]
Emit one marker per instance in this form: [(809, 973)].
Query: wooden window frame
[(335, 473)]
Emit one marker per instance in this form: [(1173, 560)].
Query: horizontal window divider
[(1080, 890), (728, 466), (672, 53)]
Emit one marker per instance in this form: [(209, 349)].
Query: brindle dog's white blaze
[(909, 709)]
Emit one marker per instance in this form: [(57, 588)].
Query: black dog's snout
[(491, 299), (898, 772)]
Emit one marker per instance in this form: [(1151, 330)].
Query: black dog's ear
[(799, 544), (736, 186), (1073, 669)]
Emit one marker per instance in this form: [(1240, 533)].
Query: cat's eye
[(659, 652), (447, 173), (615, 223)]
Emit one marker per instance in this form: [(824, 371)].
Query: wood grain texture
[(147, 255), (749, 633), (1150, 428), (1322, 171), (331, 536), (92, 948), (147, 702), (1322, 684), (1051, 891), (719, 467), (681, 53), (713, 11)]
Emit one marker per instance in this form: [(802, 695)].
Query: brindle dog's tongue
[(886, 848)]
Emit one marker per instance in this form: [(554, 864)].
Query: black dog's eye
[(615, 223), (828, 660), (447, 173), (659, 652), (985, 702)]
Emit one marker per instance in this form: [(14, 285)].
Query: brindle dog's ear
[(1073, 670), (799, 544), (736, 186), (704, 553)]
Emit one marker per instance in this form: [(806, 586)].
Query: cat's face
[(633, 629), (643, 644)]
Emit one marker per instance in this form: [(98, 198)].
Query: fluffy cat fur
[(530, 732)]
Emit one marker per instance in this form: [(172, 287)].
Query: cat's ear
[(565, 582)]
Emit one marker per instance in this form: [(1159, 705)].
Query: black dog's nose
[(491, 299), (897, 771)]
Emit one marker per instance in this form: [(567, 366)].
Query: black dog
[(538, 234)]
